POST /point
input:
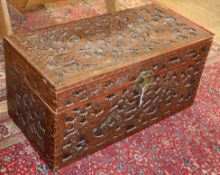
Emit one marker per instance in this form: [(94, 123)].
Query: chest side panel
[(31, 115), (29, 111)]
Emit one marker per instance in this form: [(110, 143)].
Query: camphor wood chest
[(76, 88)]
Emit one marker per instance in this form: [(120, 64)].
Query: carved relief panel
[(129, 109)]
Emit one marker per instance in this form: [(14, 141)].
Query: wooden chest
[(76, 88)]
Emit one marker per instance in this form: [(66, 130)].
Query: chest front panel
[(97, 122)]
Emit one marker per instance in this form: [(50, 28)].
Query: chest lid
[(69, 53)]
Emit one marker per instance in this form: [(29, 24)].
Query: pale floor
[(203, 12)]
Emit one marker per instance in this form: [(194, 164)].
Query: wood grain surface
[(205, 13)]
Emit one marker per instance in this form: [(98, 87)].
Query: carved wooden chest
[(76, 88)]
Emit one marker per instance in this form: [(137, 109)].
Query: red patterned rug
[(186, 143)]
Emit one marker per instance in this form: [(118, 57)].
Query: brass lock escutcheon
[(144, 79), (143, 83)]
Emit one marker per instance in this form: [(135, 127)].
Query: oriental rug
[(186, 143)]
